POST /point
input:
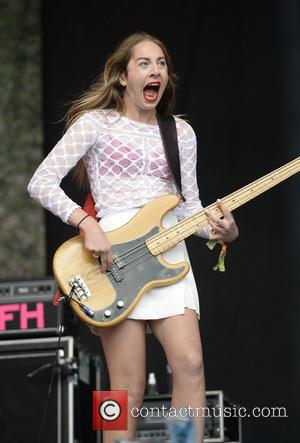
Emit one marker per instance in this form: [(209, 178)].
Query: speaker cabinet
[(25, 372)]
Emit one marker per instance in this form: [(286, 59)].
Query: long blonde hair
[(106, 92)]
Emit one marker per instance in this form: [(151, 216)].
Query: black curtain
[(238, 64)]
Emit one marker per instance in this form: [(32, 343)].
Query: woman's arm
[(224, 229), (44, 186)]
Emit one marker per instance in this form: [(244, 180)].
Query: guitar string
[(108, 275), (145, 256), (202, 216), (268, 181), (201, 213), (162, 234), (246, 189)]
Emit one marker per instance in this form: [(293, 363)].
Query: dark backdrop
[(238, 65)]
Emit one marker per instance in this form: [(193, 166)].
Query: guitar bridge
[(79, 287)]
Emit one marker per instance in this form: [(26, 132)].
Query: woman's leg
[(180, 338), (124, 349)]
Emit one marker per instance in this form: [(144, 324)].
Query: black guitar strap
[(168, 132)]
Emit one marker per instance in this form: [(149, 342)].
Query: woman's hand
[(96, 241), (223, 229)]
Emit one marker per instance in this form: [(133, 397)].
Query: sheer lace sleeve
[(188, 160), (44, 186)]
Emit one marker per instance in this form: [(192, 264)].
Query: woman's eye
[(143, 64), (162, 63)]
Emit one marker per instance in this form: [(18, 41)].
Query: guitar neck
[(165, 240)]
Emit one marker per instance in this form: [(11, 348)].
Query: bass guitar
[(105, 299)]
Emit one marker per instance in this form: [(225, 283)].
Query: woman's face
[(146, 77)]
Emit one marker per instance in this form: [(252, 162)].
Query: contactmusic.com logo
[(110, 410)]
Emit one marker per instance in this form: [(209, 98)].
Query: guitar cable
[(54, 366), (66, 299)]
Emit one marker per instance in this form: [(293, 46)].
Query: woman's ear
[(122, 79)]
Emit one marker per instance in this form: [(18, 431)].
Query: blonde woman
[(113, 140)]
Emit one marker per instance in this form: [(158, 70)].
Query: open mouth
[(151, 92)]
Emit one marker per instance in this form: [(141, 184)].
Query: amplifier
[(218, 429), (25, 373), (26, 308)]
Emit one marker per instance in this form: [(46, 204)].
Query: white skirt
[(164, 301)]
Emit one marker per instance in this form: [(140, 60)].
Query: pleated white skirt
[(163, 301)]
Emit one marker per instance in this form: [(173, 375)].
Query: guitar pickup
[(116, 274), (118, 262)]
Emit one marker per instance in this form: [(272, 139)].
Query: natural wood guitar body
[(72, 259)]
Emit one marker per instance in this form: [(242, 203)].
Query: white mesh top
[(125, 162)]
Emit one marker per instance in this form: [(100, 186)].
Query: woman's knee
[(187, 364)]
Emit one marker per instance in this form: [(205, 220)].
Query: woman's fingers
[(110, 258), (217, 233), (225, 211), (217, 226), (106, 260), (99, 246), (222, 229)]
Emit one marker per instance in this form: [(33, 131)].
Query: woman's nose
[(154, 69)]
